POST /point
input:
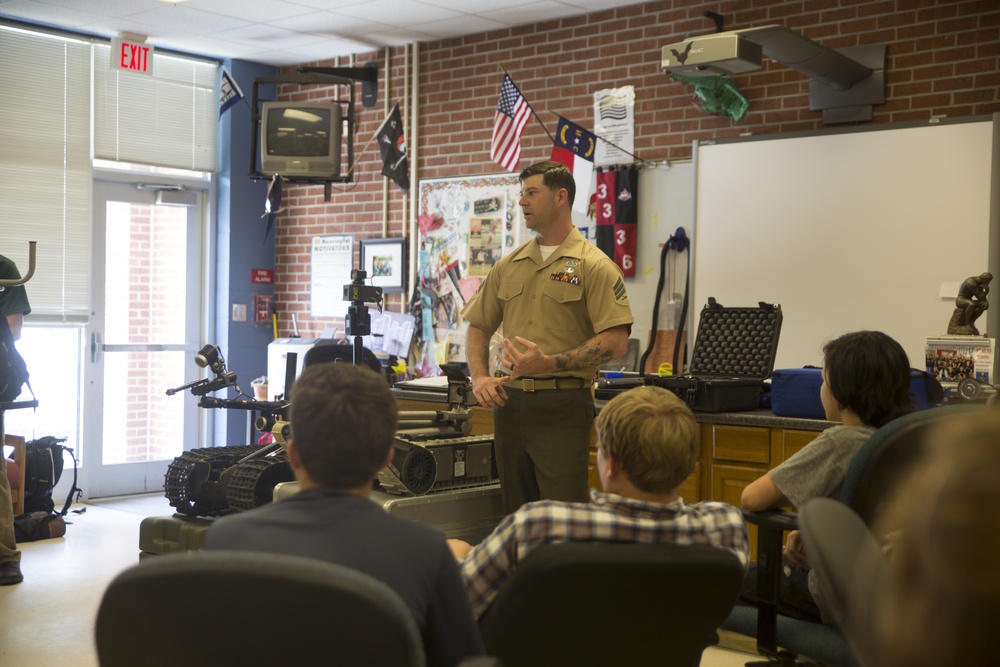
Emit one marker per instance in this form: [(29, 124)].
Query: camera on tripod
[(358, 322), (359, 293)]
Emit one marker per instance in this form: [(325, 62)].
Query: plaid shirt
[(608, 518)]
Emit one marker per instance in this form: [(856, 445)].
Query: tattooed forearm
[(592, 352)]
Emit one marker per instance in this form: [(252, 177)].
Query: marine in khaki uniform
[(564, 311)]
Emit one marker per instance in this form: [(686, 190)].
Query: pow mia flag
[(392, 145)]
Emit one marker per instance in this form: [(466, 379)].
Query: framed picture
[(385, 262)]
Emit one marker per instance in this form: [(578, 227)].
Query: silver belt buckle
[(528, 384)]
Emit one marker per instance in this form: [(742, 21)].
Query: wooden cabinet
[(738, 455)]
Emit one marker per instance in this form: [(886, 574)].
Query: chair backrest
[(232, 608), (613, 604), (849, 564), (329, 350), (888, 456)]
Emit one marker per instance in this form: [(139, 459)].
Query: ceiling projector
[(712, 55)]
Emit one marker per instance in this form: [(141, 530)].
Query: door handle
[(96, 347)]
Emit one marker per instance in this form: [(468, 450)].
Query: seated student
[(866, 384), (647, 446), (939, 601), (343, 420)]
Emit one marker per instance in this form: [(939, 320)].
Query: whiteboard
[(846, 230)]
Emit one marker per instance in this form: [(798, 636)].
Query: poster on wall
[(466, 226), (486, 242), (331, 263), (614, 121)]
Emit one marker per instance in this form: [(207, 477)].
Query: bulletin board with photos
[(465, 226)]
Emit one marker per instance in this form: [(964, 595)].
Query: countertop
[(760, 418)]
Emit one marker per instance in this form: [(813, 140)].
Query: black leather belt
[(544, 384)]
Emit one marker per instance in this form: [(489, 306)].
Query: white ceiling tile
[(42, 13), (535, 12), (397, 12), (463, 25), (283, 32), (328, 23), (180, 19)]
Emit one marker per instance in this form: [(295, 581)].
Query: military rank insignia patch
[(621, 297)]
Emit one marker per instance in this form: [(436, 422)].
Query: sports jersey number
[(626, 262), (602, 191), (620, 237)]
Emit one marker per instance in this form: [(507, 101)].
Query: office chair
[(612, 604), (222, 608), (875, 470), (336, 351), (849, 562)]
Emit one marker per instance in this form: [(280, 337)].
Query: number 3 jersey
[(615, 215)]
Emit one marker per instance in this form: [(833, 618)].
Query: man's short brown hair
[(344, 420), (652, 435), (555, 175)]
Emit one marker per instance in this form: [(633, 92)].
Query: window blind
[(45, 167), (168, 119)]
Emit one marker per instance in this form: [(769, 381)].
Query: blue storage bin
[(795, 392)]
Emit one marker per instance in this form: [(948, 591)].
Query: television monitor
[(301, 139)]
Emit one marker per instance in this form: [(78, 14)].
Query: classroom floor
[(49, 618)]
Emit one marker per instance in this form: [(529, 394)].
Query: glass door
[(143, 335)]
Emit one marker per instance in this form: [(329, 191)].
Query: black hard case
[(733, 354)]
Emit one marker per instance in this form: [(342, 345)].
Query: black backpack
[(13, 370), (43, 466)]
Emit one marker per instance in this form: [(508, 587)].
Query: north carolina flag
[(574, 147)]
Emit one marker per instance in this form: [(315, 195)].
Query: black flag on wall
[(393, 147)]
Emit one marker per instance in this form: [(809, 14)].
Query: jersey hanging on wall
[(616, 215), (604, 212)]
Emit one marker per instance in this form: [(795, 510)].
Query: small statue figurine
[(970, 303)]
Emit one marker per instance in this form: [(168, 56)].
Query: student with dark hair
[(343, 421), (866, 381)]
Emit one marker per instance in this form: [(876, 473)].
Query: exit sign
[(131, 56)]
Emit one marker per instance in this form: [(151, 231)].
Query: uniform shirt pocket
[(562, 306), (510, 291)]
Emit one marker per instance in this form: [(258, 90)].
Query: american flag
[(511, 117)]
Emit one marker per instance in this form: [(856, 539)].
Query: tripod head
[(358, 322)]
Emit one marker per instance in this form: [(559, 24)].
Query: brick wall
[(943, 57)]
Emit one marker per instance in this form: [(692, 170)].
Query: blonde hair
[(942, 594), (652, 435)]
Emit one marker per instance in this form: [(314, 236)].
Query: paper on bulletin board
[(332, 261), (467, 224)]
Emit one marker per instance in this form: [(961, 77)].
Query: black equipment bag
[(734, 353), (43, 466), (32, 526)]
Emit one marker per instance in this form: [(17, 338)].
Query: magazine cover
[(954, 358)]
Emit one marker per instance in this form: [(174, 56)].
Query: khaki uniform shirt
[(557, 304)]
